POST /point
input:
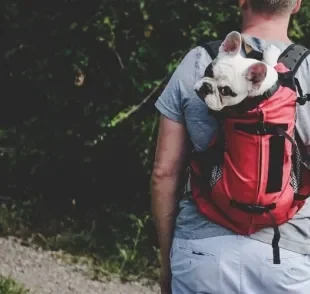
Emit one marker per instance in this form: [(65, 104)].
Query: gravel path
[(42, 273)]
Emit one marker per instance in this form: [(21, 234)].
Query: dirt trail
[(42, 273)]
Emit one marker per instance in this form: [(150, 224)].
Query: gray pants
[(236, 264)]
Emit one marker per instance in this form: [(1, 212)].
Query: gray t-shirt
[(180, 103)]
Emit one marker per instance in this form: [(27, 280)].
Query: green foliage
[(78, 129), (9, 286)]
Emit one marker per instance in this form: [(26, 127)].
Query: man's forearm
[(164, 190)]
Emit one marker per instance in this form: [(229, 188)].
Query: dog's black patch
[(204, 90)]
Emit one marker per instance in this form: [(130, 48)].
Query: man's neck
[(267, 28)]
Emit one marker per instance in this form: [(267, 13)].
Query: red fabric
[(245, 171)]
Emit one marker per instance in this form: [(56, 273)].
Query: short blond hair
[(273, 7)]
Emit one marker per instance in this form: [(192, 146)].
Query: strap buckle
[(302, 100)]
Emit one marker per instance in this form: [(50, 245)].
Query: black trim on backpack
[(250, 104), (260, 128), (275, 164), (299, 197), (302, 99), (252, 208), (286, 79)]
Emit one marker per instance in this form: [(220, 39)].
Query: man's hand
[(170, 158)]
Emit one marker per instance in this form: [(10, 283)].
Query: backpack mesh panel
[(217, 171), (216, 175), (295, 171)]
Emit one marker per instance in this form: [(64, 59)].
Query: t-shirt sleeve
[(171, 101)]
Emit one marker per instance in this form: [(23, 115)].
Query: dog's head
[(234, 76)]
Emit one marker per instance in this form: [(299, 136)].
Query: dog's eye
[(226, 91)]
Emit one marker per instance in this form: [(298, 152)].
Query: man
[(199, 256)]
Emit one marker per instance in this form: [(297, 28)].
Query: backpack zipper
[(262, 122)]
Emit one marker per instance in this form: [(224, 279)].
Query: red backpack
[(256, 173)]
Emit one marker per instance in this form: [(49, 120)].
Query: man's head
[(268, 19), (271, 7)]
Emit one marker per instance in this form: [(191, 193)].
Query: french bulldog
[(236, 77)]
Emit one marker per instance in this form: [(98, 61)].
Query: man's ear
[(297, 7), (231, 44), (256, 74), (243, 4)]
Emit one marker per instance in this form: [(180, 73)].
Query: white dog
[(236, 77)]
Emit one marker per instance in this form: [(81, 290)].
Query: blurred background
[(78, 124)]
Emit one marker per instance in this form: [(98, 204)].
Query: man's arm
[(170, 159)]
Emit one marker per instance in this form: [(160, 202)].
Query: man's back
[(180, 103), (205, 257)]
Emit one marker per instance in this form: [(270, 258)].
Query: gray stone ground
[(42, 273)]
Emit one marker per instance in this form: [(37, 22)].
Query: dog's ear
[(231, 44), (256, 74)]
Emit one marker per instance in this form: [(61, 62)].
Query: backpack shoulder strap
[(293, 56), (212, 48)]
